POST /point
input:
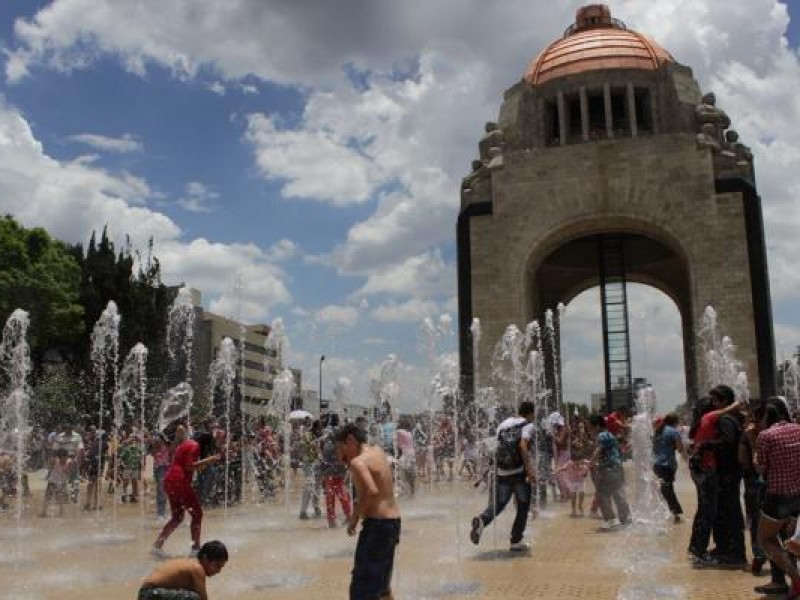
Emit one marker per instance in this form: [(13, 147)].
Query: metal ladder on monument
[(616, 331)]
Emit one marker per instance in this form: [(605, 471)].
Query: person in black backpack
[(514, 475)]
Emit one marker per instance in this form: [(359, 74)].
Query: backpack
[(509, 455)]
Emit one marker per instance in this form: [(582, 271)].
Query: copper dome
[(596, 41)]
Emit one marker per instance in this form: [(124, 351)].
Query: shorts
[(576, 486), (779, 507), (156, 593), (131, 474), (374, 560)]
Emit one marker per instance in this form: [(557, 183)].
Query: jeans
[(667, 476), (505, 487), (611, 486), (161, 497), (729, 523), (707, 484)]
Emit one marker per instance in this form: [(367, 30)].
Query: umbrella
[(299, 415)]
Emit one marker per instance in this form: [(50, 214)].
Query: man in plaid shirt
[(778, 460)]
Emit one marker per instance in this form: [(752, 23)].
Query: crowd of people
[(743, 458)]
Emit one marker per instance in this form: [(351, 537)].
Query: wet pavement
[(275, 555)]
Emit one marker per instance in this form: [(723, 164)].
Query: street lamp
[(321, 360)]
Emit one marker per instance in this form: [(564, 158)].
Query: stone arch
[(563, 264)]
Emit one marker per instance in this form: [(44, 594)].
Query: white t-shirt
[(527, 434)]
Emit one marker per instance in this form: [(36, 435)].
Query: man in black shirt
[(729, 524)]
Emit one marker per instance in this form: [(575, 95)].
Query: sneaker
[(677, 519), (771, 589), (477, 530), (158, 552), (303, 517), (609, 525), (520, 546), (705, 561), (193, 552)]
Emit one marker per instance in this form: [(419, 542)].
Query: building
[(597, 403), (607, 165), (259, 365)]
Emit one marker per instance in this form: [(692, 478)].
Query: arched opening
[(656, 347), (588, 255)]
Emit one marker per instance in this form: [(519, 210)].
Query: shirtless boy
[(185, 578), (376, 507)]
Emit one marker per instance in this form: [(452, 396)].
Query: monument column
[(584, 114), (562, 118), (632, 109), (609, 114)]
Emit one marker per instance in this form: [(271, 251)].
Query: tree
[(40, 275)]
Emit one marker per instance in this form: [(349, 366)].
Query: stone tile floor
[(274, 555)]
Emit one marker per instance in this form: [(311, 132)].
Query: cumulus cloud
[(123, 144), (345, 316), (282, 250), (73, 198), (410, 311), (399, 125), (423, 275), (198, 198), (313, 163)]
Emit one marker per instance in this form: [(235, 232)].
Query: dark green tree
[(40, 275)]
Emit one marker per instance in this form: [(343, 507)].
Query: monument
[(607, 165)]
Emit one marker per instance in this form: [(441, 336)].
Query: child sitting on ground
[(60, 467), (575, 473)]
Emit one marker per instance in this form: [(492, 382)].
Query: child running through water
[(56, 490), (181, 496), (574, 474)]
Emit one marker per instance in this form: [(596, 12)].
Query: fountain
[(15, 363), (222, 376), (342, 397), (719, 352), (131, 386), (282, 391), (176, 403), (105, 355)]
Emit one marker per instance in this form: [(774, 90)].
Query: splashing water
[(648, 507), (105, 355), (222, 376), (507, 362), (175, 405), (282, 391), (722, 366), (15, 361), (342, 395), (180, 333)]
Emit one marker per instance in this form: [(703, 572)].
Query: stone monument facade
[(607, 139)]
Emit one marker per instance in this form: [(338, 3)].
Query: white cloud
[(198, 198), (216, 87), (410, 311), (314, 164), (123, 144), (345, 316), (72, 199), (406, 141), (282, 250), (423, 275)]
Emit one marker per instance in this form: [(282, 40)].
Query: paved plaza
[(274, 555)]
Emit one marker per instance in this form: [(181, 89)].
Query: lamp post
[(321, 360)]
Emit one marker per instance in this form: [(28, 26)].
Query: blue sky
[(318, 153)]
